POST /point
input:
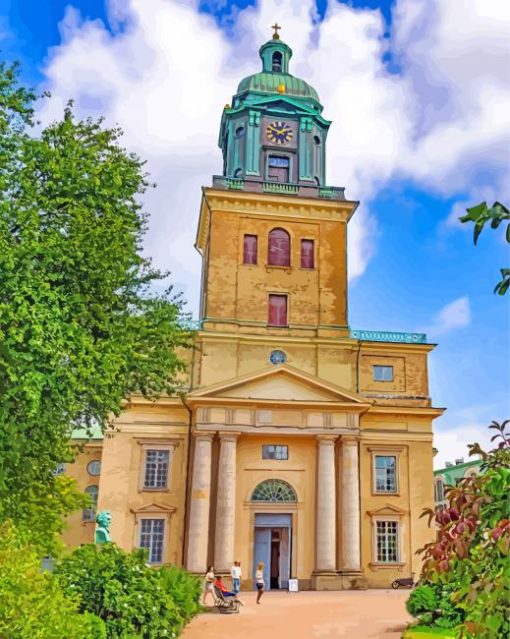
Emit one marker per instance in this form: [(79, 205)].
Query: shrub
[(120, 589), (32, 604), (421, 600), (184, 588)]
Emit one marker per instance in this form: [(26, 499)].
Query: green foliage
[(184, 588), (469, 560), (134, 600), (480, 215), (422, 599), (80, 327), (32, 604)]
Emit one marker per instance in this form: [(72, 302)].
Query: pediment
[(281, 383), (153, 507), (388, 510)]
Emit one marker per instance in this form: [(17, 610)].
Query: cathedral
[(296, 440)]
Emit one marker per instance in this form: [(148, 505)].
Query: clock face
[(279, 132)]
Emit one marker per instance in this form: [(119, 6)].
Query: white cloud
[(165, 76), (456, 314)]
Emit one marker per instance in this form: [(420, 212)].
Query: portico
[(315, 423)]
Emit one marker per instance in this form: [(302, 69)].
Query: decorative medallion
[(277, 357)]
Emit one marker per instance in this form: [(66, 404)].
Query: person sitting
[(226, 593)]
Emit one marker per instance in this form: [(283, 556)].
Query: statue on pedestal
[(103, 520)]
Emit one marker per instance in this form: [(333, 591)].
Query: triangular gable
[(387, 510), (153, 508), (280, 383)]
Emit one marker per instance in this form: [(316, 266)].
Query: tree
[(80, 326), (470, 557), (480, 215)]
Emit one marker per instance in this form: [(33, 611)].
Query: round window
[(94, 467), (277, 357), (317, 140), (240, 132)]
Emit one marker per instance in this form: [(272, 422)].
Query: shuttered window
[(277, 315), (250, 249), (307, 260), (278, 248)]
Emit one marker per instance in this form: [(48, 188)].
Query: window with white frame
[(89, 514), (152, 537), (383, 373), (385, 470), (387, 533), (156, 468), (275, 452)]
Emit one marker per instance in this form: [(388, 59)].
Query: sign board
[(293, 585)]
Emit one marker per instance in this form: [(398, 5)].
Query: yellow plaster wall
[(236, 291), (77, 531), (300, 472), (409, 372)]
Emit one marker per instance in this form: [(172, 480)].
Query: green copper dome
[(275, 76), (264, 82)]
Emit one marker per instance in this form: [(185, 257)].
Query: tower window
[(278, 168), (278, 248), (277, 62), (277, 311), (250, 249), (307, 257), (317, 140), (240, 131)]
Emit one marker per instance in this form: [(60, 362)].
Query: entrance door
[(262, 552), (272, 547)]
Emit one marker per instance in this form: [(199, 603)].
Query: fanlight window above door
[(274, 490)]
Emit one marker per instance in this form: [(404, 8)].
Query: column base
[(353, 580), (326, 580)]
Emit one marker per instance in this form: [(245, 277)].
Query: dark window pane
[(383, 373), (307, 258), (156, 468), (152, 535), (278, 248), (250, 249), (277, 315)]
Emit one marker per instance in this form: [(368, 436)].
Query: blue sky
[(418, 133)]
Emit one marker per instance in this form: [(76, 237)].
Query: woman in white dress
[(208, 584)]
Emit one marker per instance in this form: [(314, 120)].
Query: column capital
[(203, 435), (350, 440), (326, 439), (226, 436)]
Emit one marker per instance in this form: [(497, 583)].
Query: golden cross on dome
[(276, 28)]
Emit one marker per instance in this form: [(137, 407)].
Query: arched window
[(277, 62), (89, 514), (274, 490), (278, 248), (238, 173)]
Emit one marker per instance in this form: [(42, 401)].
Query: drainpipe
[(357, 366)]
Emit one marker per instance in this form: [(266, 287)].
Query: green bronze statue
[(103, 520)]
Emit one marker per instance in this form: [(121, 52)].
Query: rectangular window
[(275, 452), (156, 469), (383, 373), (152, 536), (250, 249), (277, 315), (387, 541), (307, 260), (278, 169), (385, 474)]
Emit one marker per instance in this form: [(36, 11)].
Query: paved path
[(366, 614)]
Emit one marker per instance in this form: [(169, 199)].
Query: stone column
[(198, 532), (225, 504), (326, 505), (351, 557)]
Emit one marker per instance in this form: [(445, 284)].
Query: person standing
[(236, 574), (208, 584), (259, 580)]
